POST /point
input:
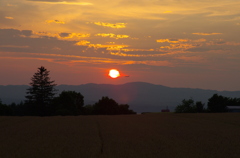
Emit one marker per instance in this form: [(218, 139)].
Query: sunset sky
[(175, 43)]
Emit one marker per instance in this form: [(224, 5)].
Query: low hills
[(141, 96)]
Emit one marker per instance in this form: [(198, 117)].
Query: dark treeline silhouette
[(107, 106), (217, 103), (41, 101)]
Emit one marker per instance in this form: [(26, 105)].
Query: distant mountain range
[(141, 96)]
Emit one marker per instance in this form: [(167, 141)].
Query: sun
[(114, 73)]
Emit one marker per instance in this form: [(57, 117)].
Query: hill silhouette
[(141, 96)]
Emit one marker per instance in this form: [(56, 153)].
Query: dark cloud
[(5, 33), (202, 49), (26, 32), (12, 40), (64, 34)]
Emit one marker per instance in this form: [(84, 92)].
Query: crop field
[(121, 136)]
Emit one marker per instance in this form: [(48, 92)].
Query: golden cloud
[(116, 25), (110, 42), (181, 43), (172, 40), (8, 17), (46, 34), (124, 54), (109, 47), (167, 12), (82, 43), (62, 2), (206, 34), (179, 46), (111, 35), (122, 36), (72, 35), (135, 55), (137, 50), (62, 35), (55, 21)]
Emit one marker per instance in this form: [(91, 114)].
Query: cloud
[(26, 33), (138, 55), (9, 17), (190, 58), (12, 40), (61, 2), (13, 46), (172, 40), (11, 33), (179, 46), (65, 59), (122, 36), (48, 0), (62, 35), (55, 21), (108, 47), (116, 25), (167, 12), (137, 50), (156, 63), (11, 5), (206, 34), (73, 35), (82, 43), (68, 59), (182, 44), (111, 35)]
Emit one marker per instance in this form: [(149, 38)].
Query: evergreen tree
[(41, 92)]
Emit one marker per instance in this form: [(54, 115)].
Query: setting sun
[(114, 73)]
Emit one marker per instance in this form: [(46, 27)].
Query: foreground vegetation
[(216, 104), (107, 136)]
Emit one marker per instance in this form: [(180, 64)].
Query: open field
[(150, 135)]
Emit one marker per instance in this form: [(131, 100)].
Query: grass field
[(122, 136)]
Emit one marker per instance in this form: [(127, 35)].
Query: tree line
[(41, 101), (216, 104)]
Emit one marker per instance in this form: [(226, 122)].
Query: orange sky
[(193, 44)]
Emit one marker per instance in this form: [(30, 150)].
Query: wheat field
[(121, 136)]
